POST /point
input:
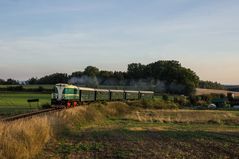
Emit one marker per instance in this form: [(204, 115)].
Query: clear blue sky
[(39, 37)]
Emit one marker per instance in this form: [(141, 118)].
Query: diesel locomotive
[(66, 95)]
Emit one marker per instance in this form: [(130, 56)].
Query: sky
[(40, 37)]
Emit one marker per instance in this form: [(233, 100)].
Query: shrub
[(46, 106), (165, 97), (40, 89), (182, 101)]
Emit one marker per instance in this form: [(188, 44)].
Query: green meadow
[(15, 103)]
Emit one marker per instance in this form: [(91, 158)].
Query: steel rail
[(25, 115)]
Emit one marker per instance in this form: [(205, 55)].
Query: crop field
[(15, 103), (133, 139)]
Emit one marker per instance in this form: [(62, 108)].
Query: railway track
[(26, 115)]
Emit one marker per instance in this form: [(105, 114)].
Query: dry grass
[(71, 119), (184, 116), (85, 116), (23, 139), (117, 109)]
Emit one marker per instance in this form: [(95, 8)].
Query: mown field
[(15, 103)]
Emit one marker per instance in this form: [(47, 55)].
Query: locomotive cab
[(64, 94), (57, 97)]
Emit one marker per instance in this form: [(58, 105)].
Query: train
[(66, 95)]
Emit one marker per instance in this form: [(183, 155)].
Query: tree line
[(166, 76), (9, 82), (211, 85)]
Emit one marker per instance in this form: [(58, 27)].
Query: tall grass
[(23, 139), (86, 115)]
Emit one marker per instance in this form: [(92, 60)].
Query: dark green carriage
[(117, 95), (87, 94), (102, 94), (146, 94), (131, 95)]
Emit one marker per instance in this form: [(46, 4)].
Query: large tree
[(32, 80), (136, 70), (11, 82), (177, 79), (91, 71)]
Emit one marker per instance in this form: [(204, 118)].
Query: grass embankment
[(16, 103), (117, 130)]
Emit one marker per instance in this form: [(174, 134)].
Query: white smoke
[(140, 84), (84, 80)]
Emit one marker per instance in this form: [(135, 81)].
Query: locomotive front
[(64, 95)]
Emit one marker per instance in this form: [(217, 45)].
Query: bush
[(165, 97), (182, 101), (46, 106), (40, 89), (202, 103)]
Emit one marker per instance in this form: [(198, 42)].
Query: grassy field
[(117, 130), (15, 103), (113, 132)]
